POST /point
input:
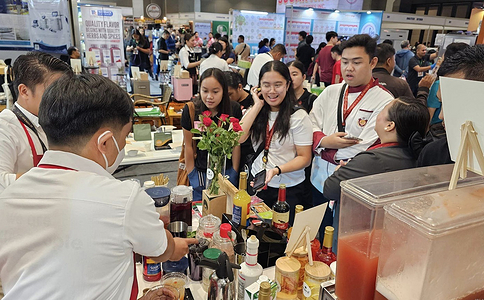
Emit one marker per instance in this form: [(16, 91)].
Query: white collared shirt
[(184, 56), (15, 152), (360, 123), (259, 61), (213, 61), (71, 234)]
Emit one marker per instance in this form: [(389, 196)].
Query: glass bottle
[(281, 210), (241, 202), (265, 291), (327, 256), (299, 208), (208, 225), (223, 240)]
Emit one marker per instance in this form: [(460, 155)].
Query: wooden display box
[(214, 204)]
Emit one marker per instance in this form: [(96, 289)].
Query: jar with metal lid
[(287, 277), (314, 275), (213, 254)]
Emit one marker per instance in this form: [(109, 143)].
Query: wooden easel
[(304, 235), (469, 145)]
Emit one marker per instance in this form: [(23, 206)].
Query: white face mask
[(119, 157)]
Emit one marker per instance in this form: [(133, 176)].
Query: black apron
[(192, 58)]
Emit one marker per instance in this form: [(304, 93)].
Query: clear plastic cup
[(176, 280), (162, 292)]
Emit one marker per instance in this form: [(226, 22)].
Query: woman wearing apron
[(189, 61)]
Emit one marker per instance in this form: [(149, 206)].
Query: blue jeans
[(198, 179)]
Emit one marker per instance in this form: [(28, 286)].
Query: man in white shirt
[(22, 140), (276, 53), (68, 228), (361, 98)]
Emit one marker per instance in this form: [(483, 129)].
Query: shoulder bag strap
[(341, 128), (191, 110)]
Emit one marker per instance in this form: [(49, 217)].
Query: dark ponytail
[(215, 48)]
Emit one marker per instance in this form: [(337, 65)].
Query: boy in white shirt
[(69, 229), (358, 102)]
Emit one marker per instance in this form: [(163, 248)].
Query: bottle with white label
[(250, 270)]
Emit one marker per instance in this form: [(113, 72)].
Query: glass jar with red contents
[(151, 269), (208, 225)]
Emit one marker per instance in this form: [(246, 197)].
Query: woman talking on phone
[(281, 136)]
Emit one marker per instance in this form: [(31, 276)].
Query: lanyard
[(25, 121), (35, 157), (49, 166), (347, 111), (383, 146), (269, 134), (134, 288)]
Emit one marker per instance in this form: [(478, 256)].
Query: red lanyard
[(269, 134), (383, 145), (49, 166), (347, 111), (35, 156), (134, 288)]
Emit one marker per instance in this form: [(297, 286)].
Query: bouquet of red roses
[(219, 139)]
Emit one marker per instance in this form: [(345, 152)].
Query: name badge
[(420, 74)]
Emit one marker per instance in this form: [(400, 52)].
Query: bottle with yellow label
[(281, 210), (241, 202)]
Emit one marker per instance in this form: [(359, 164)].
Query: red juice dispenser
[(361, 221), (432, 247)]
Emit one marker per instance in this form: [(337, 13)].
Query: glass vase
[(215, 165)]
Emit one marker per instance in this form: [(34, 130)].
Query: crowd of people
[(66, 134)]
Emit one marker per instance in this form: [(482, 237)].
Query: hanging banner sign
[(103, 35)]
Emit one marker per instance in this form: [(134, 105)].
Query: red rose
[(234, 120), (207, 121), (207, 113), (223, 117), (236, 127)]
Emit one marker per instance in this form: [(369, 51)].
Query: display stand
[(305, 240), (469, 145), (230, 190)]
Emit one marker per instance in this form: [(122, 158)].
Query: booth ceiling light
[(253, 12), (336, 11), (368, 12), (310, 9), (165, 18)]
